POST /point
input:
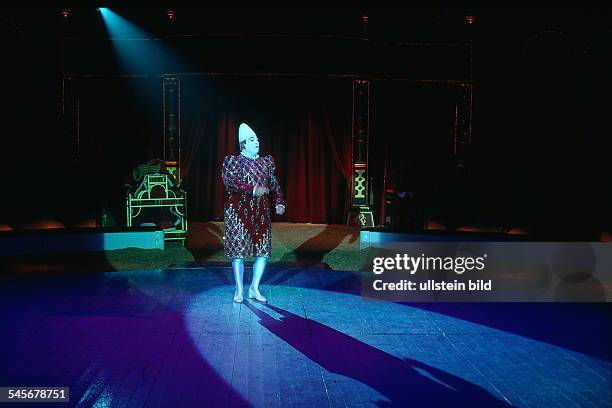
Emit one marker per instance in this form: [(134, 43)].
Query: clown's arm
[(274, 186)]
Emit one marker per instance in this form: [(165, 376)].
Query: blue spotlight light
[(119, 27), (133, 46), (138, 51)]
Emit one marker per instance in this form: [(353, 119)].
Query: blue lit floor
[(174, 338)]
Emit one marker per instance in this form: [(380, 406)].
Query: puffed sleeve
[(230, 174), (273, 185)]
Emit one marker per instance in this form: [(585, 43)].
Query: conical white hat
[(244, 132)]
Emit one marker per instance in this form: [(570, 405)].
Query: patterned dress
[(247, 218)]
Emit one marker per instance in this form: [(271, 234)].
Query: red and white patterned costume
[(247, 217)]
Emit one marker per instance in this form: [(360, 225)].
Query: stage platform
[(173, 337), (77, 240), (373, 236)]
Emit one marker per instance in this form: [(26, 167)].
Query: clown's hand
[(258, 191), (280, 209)]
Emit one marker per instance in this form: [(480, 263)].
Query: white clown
[(250, 183)]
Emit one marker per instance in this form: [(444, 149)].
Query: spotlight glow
[(132, 45)]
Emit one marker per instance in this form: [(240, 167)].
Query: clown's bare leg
[(238, 268), (259, 266)]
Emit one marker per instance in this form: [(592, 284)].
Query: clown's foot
[(238, 297), (255, 294)]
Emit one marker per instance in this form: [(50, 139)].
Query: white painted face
[(251, 146)]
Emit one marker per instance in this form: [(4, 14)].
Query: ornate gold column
[(171, 88), (462, 132), (361, 214)]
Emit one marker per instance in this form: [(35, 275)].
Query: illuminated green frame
[(176, 201)]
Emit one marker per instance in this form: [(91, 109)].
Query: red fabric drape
[(304, 124)]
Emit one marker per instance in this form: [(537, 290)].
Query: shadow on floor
[(404, 382)]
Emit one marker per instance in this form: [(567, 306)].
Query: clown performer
[(248, 180)]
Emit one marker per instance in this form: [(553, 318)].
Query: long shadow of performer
[(404, 382)]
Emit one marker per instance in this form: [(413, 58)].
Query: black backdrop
[(541, 118)]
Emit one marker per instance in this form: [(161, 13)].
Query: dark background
[(539, 158)]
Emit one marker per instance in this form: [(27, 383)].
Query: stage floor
[(173, 337)]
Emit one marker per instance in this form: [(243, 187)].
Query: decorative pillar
[(171, 88), (462, 132), (69, 108), (360, 214)]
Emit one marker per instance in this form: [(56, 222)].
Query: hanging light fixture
[(65, 12)]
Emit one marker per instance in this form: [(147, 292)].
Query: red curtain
[(304, 124)]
